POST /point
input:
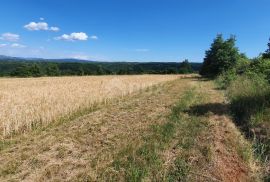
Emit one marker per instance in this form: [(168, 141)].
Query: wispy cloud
[(3, 45), (16, 45), (94, 37), (82, 57), (36, 26), (142, 50), (74, 36), (54, 29), (10, 37)]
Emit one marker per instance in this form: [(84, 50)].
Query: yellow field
[(26, 102)]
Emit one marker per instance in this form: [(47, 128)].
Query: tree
[(52, 70), (35, 70), (21, 71), (185, 67), (266, 54), (100, 70), (222, 56)]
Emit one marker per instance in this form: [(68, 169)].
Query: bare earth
[(86, 145)]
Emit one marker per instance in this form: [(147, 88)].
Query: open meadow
[(31, 102)]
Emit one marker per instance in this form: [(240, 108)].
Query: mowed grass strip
[(144, 160), (198, 142)]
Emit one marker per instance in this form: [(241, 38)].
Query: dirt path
[(232, 158), (80, 148)]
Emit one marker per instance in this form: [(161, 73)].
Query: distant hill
[(28, 67), (62, 60)]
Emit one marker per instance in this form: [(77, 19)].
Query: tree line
[(40, 68)]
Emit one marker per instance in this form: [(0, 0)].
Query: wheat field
[(28, 102)]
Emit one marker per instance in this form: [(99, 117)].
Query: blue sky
[(130, 30)]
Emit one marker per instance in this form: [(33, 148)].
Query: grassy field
[(27, 103), (180, 130)]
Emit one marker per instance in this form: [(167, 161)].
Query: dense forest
[(24, 68)]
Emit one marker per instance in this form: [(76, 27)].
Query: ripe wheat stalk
[(27, 102)]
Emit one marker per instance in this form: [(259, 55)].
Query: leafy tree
[(81, 71), (35, 70), (261, 67), (52, 70), (100, 70), (222, 56), (21, 71), (185, 67), (31, 68), (266, 54)]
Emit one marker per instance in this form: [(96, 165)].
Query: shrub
[(249, 97), (185, 67), (225, 79), (248, 94), (261, 66)]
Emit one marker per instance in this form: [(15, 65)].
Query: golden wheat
[(25, 102)]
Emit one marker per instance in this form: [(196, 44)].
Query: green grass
[(249, 97), (143, 160), (180, 171)]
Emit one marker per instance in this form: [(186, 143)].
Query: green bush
[(249, 97), (248, 94), (225, 79), (185, 67), (261, 66)]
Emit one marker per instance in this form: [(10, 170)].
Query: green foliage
[(261, 66), (52, 70), (249, 97), (248, 94), (266, 54), (248, 91), (221, 57), (35, 69), (27, 71), (180, 171), (225, 79), (185, 67), (242, 65)]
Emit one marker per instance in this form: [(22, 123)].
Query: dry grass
[(204, 145), (29, 102), (79, 150)]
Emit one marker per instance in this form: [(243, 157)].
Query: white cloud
[(33, 26), (142, 50), (82, 57), (54, 29), (94, 37), (73, 36), (37, 26), (10, 37), (42, 19), (3, 45), (15, 45)]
